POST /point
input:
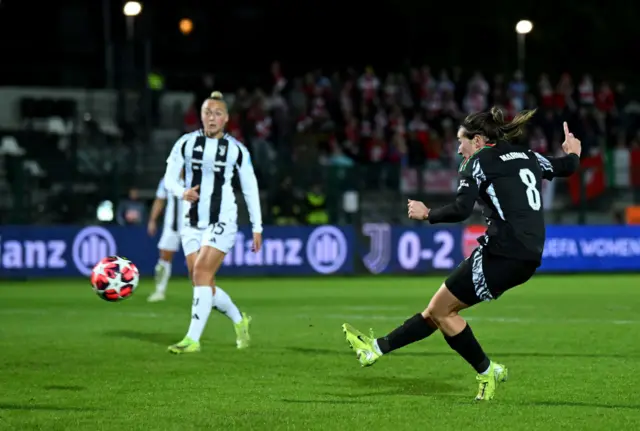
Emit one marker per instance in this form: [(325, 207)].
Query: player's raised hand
[(257, 242), (417, 210), (571, 144), (191, 195)]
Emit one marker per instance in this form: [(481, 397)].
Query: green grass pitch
[(70, 361)]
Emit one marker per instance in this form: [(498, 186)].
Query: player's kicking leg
[(370, 349), (442, 314)]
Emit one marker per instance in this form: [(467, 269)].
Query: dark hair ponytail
[(492, 126)]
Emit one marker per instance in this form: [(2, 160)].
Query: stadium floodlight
[(524, 27), (132, 8), (186, 26)]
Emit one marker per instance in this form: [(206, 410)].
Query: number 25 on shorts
[(218, 229)]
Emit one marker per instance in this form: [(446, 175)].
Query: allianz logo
[(16, 254), (88, 246), (325, 250)]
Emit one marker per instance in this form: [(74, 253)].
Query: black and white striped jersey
[(212, 163), (506, 180), (173, 208)]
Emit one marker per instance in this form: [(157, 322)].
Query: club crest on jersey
[(463, 183), (222, 151)]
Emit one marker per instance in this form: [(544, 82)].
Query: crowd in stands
[(411, 118)]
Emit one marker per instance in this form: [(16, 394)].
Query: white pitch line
[(519, 320), (344, 317), (371, 308), (31, 311)]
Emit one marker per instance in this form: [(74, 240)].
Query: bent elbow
[(464, 214), (467, 213), (465, 210)]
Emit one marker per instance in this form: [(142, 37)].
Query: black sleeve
[(461, 209), (553, 167)]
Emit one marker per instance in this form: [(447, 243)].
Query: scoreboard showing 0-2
[(419, 250), (411, 250)]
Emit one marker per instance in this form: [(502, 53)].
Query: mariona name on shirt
[(513, 156)]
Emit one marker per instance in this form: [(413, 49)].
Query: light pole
[(108, 46), (131, 10), (523, 28)]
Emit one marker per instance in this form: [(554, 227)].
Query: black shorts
[(484, 276)]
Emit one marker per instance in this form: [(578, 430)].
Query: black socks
[(467, 346), (418, 328), (413, 329)]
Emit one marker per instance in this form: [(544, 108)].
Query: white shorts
[(169, 240), (221, 236)]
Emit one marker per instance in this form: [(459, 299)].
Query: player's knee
[(166, 255), (427, 317), (437, 315), (201, 274)]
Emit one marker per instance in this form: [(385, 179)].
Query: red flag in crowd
[(594, 179)]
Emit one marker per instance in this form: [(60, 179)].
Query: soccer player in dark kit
[(506, 180)]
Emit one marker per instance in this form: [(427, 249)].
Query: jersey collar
[(465, 162)]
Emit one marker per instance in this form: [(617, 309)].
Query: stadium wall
[(29, 251)]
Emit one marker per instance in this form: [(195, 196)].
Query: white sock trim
[(485, 372), (200, 311), (376, 347), (223, 303)]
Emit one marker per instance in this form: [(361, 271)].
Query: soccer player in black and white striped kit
[(210, 159), (169, 239)]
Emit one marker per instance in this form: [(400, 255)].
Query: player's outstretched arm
[(462, 208), (566, 166), (455, 212)]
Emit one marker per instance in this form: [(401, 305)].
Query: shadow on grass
[(33, 407), (393, 385), (73, 388), (335, 402), (347, 352), (149, 337), (580, 404)]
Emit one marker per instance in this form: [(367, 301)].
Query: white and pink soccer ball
[(114, 278)]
